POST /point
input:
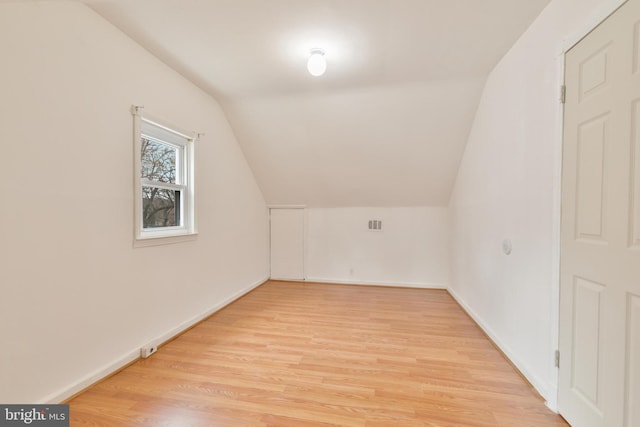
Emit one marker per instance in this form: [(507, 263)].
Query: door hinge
[(557, 359), (563, 94)]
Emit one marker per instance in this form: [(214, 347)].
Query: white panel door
[(287, 244), (599, 378)]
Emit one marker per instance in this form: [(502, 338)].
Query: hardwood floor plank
[(306, 354)]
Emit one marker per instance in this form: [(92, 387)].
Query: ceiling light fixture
[(317, 63)]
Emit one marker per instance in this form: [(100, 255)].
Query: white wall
[(412, 249), (507, 187), (389, 145), (76, 298)]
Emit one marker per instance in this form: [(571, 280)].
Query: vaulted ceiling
[(388, 122)]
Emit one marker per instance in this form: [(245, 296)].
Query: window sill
[(143, 242)]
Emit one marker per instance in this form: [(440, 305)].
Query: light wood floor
[(298, 355)]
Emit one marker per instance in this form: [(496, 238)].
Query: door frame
[(304, 235), (601, 14)]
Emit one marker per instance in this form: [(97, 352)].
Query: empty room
[(360, 213)]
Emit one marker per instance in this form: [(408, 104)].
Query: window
[(164, 182)]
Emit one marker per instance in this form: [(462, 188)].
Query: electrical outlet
[(148, 350)]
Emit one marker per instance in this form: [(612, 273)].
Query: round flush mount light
[(317, 63)]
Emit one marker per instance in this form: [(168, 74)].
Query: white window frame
[(166, 134)]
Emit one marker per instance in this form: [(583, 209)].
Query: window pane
[(160, 207), (158, 161)]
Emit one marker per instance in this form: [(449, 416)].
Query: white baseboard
[(134, 354), (88, 380), (366, 283), (538, 384), (195, 320)]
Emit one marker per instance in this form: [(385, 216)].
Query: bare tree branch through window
[(160, 207)]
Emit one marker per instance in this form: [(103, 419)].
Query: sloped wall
[(507, 188), (77, 299)]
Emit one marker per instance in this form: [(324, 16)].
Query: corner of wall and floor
[(77, 262), (507, 189), (78, 299)]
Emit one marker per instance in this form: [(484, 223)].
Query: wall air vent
[(375, 225)]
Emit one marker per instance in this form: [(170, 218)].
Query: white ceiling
[(385, 126)]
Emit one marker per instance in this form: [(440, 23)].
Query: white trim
[(169, 140), (172, 133), (305, 225), (536, 382), (186, 145), (172, 333), (144, 242), (287, 206), (169, 127), (88, 380), (553, 407), (418, 285), (137, 161), (599, 15), (556, 220), (305, 245), (131, 356), (269, 234), (145, 182)]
